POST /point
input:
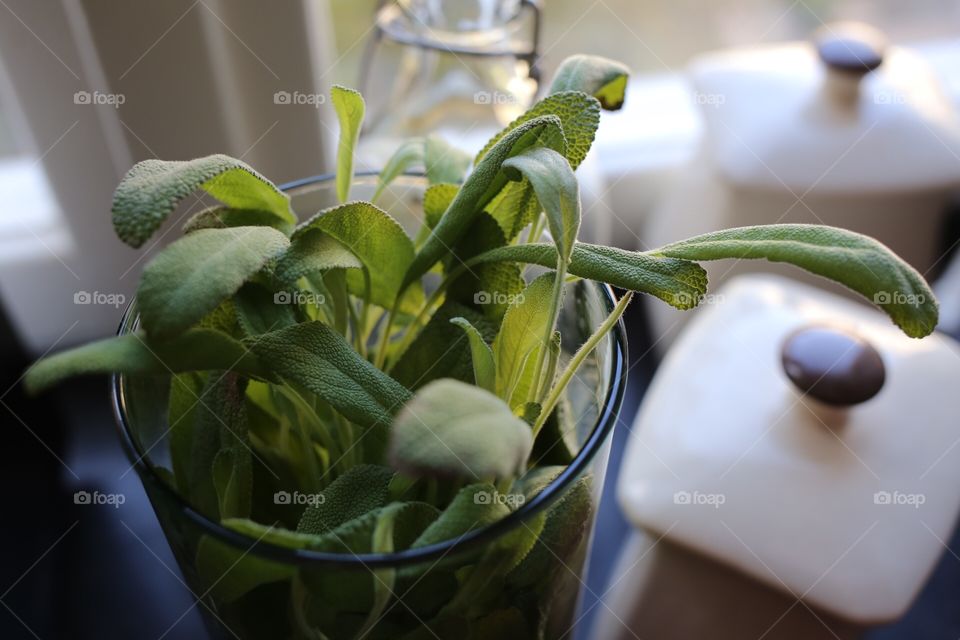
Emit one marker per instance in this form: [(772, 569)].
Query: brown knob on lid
[(834, 366), (851, 47)]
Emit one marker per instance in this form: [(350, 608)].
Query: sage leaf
[(443, 162), (361, 489), (261, 310), (193, 275), (484, 368), (854, 260), (451, 428), (228, 573), (473, 507), (194, 350), (151, 190), (311, 252), (350, 109), (604, 79), (436, 200), (679, 283), (319, 359), (522, 332), (222, 217), (482, 185), (407, 155), (378, 241), (185, 391)]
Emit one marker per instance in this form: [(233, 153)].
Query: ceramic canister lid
[(844, 113), (801, 438)]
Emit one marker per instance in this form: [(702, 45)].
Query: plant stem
[(559, 285), (385, 335), (578, 359)]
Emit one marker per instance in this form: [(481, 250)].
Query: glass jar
[(252, 589)]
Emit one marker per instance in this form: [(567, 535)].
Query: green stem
[(559, 285), (385, 336), (578, 359)]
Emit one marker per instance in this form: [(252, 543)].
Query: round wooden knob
[(834, 366), (851, 47)]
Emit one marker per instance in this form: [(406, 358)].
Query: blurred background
[(88, 87)]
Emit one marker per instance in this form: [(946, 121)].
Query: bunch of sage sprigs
[(318, 357)]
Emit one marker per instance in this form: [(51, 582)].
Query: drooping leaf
[(350, 109), (314, 251), (193, 275), (450, 428), (222, 217), (407, 155), (484, 368), (483, 184), (679, 283), (854, 260), (443, 162), (604, 79), (316, 357), (378, 241), (522, 332), (194, 350), (361, 489), (151, 190)]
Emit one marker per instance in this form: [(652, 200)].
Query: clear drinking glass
[(312, 594)]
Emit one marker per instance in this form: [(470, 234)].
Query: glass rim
[(476, 538)]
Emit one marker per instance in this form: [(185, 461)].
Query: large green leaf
[(854, 260), (194, 350), (314, 251), (222, 217), (317, 358), (522, 332), (604, 79), (473, 507), (350, 109), (482, 185), (361, 489), (261, 310), (436, 200), (679, 283), (450, 428), (193, 275), (151, 190), (378, 241)]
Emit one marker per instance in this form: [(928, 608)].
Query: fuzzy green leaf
[(316, 357), (314, 251), (151, 190), (450, 428), (378, 241), (679, 283), (194, 350), (361, 489), (473, 507), (484, 368), (350, 109), (854, 260), (604, 79), (522, 332), (408, 154), (480, 187), (443, 162), (222, 217), (261, 310), (436, 200), (193, 275)]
